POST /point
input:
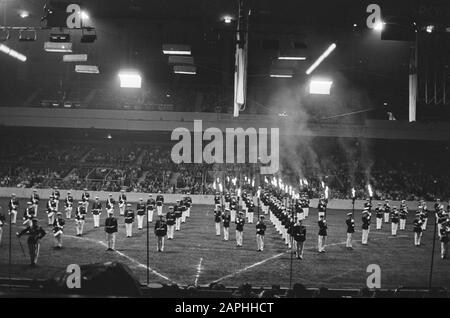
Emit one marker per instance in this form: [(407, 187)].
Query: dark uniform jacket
[(394, 217), (178, 211), (13, 204), (58, 225), (322, 227), (350, 225), (159, 200), (170, 218), (151, 204), (240, 222), (35, 198), (217, 216), (160, 228), (35, 233), (379, 212), (140, 208), (110, 203), (366, 222), (260, 228), (85, 196), (444, 234), (299, 233), (96, 208), (28, 214), (226, 219), (129, 216), (417, 225), (68, 202), (111, 225)]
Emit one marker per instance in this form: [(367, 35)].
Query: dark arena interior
[(224, 149)]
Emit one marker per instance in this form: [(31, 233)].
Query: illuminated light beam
[(353, 193), (369, 188), (7, 50), (321, 59)]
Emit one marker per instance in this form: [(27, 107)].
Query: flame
[(306, 182), (301, 182), (220, 187), (369, 187), (323, 184), (353, 193), (239, 192), (326, 192), (214, 186)]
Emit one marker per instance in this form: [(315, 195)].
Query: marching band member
[(442, 217), (96, 212), (110, 204), (56, 195), (387, 211), (188, 202), (240, 222), (13, 206), (233, 209), (250, 210), (150, 208), (80, 215), (183, 210), (394, 221), (170, 220), (2, 223), (111, 230), (417, 228), (217, 199), (322, 233), (322, 207), (85, 199), (129, 220), (159, 204), (289, 226), (122, 202), (160, 232), (35, 234), (58, 226), (68, 205), (305, 205), (379, 215), (226, 219), (445, 232), (424, 214), (51, 210), (35, 200), (227, 200), (217, 219), (403, 214), (178, 214), (299, 235), (350, 222), (365, 226), (299, 210), (29, 214), (140, 210), (260, 232)]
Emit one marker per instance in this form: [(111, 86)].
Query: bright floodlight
[(379, 26), (84, 15), (24, 14), (7, 50), (430, 28), (321, 59), (130, 79), (320, 87), (227, 19)]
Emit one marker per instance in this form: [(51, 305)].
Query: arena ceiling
[(131, 33)]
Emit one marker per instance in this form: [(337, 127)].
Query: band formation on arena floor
[(286, 214)]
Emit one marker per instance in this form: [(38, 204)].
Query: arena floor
[(196, 255)]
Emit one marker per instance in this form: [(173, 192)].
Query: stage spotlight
[(24, 14), (227, 19), (430, 28), (7, 50), (321, 58), (84, 15), (176, 49), (320, 87), (379, 26), (130, 79), (58, 47), (281, 73)]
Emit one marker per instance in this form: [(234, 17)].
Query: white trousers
[(35, 206), (129, 229), (188, 212), (58, 240), (150, 216), (111, 239), (250, 217), (402, 224), (439, 226), (226, 233), (122, 209), (320, 214), (424, 225), (160, 245), (69, 212), (365, 236), (51, 219), (379, 223), (13, 216), (97, 220), (79, 226), (217, 228), (306, 212), (1, 233), (232, 216), (444, 247), (140, 221), (386, 217), (177, 224), (170, 230), (183, 216), (349, 240), (417, 237), (394, 228), (260, 241), (298, 247), (159, 210), (321, 243), (239, 237)]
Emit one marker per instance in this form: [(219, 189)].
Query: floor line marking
[(199, 270), (125, 256)]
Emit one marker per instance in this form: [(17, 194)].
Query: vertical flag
[(240, 68)]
